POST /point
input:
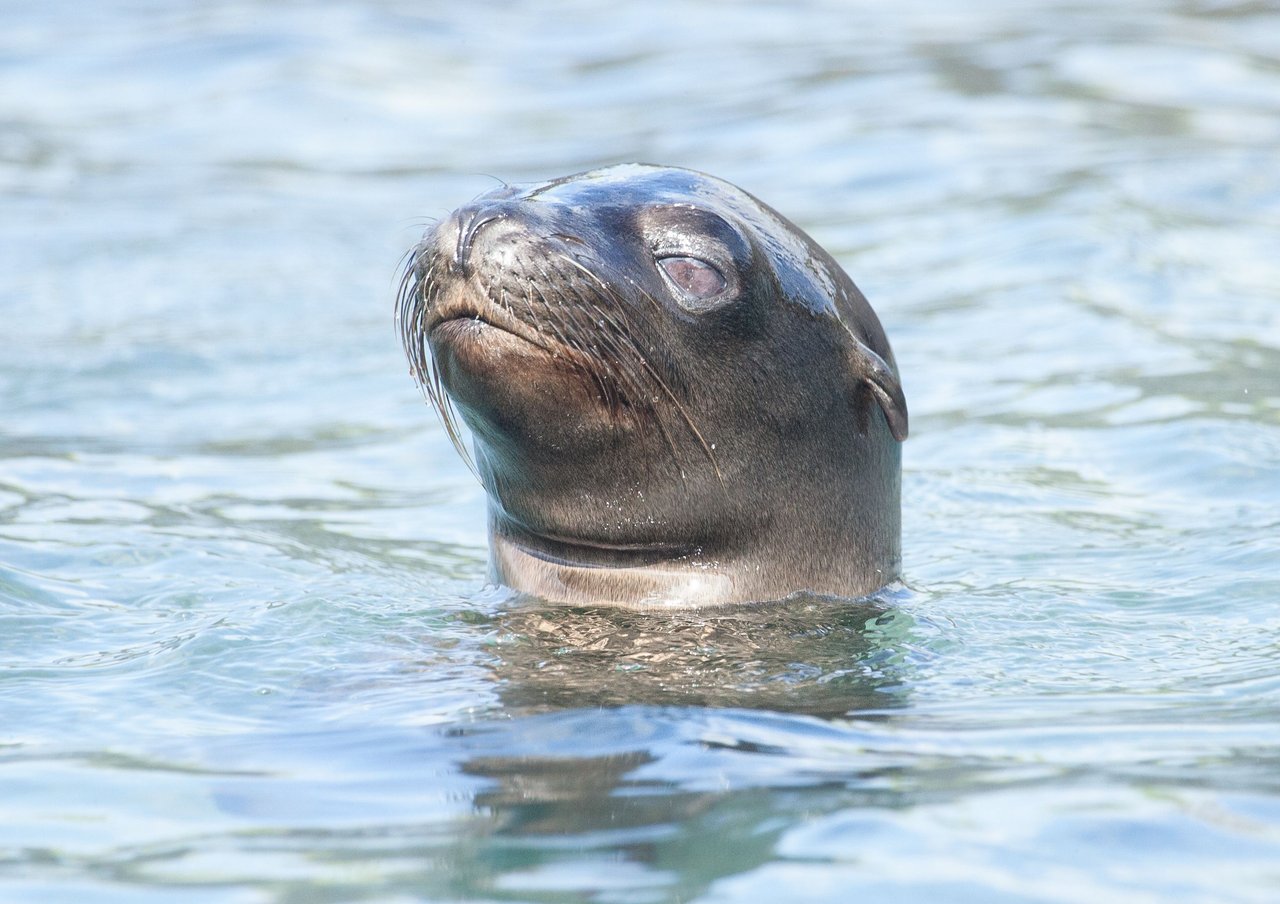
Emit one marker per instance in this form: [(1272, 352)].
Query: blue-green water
[(247, 651)]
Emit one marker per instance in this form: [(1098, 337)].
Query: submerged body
[(675, 396)]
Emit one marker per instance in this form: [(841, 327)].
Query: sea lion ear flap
[(874, 371)]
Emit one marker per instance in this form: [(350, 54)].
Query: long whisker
[(572, 341), (550, 316), (647, 364), (411, 310)]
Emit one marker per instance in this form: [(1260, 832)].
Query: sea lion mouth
[(478, 328), (476, 317)]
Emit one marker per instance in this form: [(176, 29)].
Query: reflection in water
[(561, 818), (809, 655), (551, 795), (611, 703)]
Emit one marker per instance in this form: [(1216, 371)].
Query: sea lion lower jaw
[(675, 397)]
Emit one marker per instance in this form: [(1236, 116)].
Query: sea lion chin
[(675, 397)]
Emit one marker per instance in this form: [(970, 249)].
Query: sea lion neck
[(586, 575), (588, 552)]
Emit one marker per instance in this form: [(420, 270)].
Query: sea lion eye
[(694, 279)]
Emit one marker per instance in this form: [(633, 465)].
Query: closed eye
[(694, 279)]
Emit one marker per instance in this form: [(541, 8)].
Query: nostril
[(470, 223)]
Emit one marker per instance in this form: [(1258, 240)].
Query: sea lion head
[(674, 395)]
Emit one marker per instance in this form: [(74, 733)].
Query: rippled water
[(248, 653)]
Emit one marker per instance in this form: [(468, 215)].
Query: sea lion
[(676, 398)]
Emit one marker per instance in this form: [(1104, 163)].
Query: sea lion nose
[(470, 220)]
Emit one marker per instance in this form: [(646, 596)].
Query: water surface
[(247, 649)]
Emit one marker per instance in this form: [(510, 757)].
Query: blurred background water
[(247, 651)]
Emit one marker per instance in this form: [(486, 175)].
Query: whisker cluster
[(578, 315), (414, 299)]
